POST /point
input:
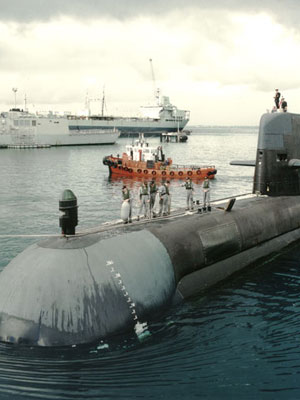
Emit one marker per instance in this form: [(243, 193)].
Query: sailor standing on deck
[(169, 197), (163, 199), (144, 199), (206, 194), (153, 191), (189, 193), (126, 193)]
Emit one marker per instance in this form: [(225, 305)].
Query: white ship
[(20, 128)]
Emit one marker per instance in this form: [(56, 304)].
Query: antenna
[(156, 90), (15, 92)]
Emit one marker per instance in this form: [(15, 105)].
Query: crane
[(156, 90)]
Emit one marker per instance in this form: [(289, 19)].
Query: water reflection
[(238, 341), (239, 338)]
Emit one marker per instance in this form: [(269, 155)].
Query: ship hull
[(133, 126), (195, 174), (57, 140)]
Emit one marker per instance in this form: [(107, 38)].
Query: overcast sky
[(220, 59)]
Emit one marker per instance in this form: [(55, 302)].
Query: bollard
[(68, 205)]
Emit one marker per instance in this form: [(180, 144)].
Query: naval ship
[(161, 117), (22, 129)]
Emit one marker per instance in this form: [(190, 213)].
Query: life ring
[(130, 170), (172, 173), (139, 171), (180, 173), (153, 173), (164, 173), (190, 173), (145, 171), (198, 172)]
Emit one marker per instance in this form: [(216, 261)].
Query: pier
[(175, 137)]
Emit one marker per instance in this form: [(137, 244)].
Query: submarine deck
[(114, 228)]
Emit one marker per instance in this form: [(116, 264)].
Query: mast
[(87, 103), (103, 102), (15, 92), (156, 90)]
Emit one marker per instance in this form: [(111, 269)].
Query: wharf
[(176, 137)]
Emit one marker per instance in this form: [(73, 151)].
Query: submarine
[(77, 288)]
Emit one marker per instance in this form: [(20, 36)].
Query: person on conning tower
[(277, 98)]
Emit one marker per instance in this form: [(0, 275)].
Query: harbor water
[(239, 340)]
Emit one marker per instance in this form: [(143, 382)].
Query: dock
[(175, 137)]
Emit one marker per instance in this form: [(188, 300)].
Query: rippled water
[(238, 341)]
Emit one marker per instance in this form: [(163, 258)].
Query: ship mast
[(156, 90), (25, 102), (103, 102), (15, 92)]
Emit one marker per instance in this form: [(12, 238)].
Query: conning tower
[(278, 155)]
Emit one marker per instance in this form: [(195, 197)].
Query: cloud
[(286, 12), (219, 55)]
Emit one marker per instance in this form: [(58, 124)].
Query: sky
[(220, 59)]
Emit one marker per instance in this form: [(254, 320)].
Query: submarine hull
[(65, 291), (72, 290)]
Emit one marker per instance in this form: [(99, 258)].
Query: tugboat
[(140, 160)]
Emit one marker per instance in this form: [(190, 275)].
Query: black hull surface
[(93, 286)]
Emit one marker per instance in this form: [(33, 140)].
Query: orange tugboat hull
[(138, 169)]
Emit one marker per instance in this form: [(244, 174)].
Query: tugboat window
[(281, 157)]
